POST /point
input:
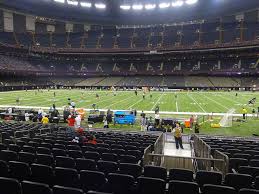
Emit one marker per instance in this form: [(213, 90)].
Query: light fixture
[(125, 7), (137, 6), (190, 2), (150, 6), (72, 2), (86, 4), (60, 1), (164, 5), (177, 3), (100, 6)]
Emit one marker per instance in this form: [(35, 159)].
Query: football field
[(202, 102)]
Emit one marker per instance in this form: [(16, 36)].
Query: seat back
[(179, 187)]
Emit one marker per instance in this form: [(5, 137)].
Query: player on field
[(150, 95), (17, 101), (144, 96), (54, 94), (136, 92), (97, 96)]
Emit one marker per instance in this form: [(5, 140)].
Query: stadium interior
[(129, 97)]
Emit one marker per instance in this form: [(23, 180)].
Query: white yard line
[(118, 102), (176, 104), (195, 102), (135, 103), (216, 102), (161, 95)]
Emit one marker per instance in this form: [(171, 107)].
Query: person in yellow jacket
[(177, 131), (244, 112), (45, 120)]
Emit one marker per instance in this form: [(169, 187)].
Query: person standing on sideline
[(143, 124), (191, 122), (244, 112), (177, 131), (45, 120), (105, 122), (71, 124), (157, 119), (77, 122)]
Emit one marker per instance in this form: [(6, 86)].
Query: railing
[(201, 149), (219, 166), (187, 162)]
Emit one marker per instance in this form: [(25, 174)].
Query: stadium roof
[(130, 11)]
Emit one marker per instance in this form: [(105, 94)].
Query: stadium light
[(125, 7), (72, 2), (164, 5), (137, 6), (190, 2), (60, 1), (100, 6), (86, 4), (177, 3), (150, 6)]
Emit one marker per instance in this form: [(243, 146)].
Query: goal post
[(227, 120)]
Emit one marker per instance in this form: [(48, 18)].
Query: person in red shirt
[(92, 140), (71, 123)]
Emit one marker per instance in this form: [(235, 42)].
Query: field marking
[(216, 102), (135, 103), (118, 102), (161, 95), (195, 102)]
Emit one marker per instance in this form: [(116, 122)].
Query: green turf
[(185, 102), (219, 102)]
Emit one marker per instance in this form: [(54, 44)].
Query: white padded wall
[(8, 21), (30, 23)]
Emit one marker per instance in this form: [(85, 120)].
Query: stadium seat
[(95, 192), (134, 170), (26, 157), (43, 150), (59, 146), (254, 163), (10, 186), (75, 154), (66, 177), (107, 167), (19, 170), (29, 149), (92, 155), (180, 174), (238, 181), (217, 189), (92, 180), (155, 172), (42, 173), (234, 163), (109, 157), (66, 190), (58, 152), (45, 159), (8, 155), (253, 171), (65, 162), (29, 187), (120, 183), (46, 145), (4, 171), (257, 183), (14, 148), (208, 177), (85, 164), (148, 185), (73, 147), (179, 187), (248, 191), (128, 159)]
